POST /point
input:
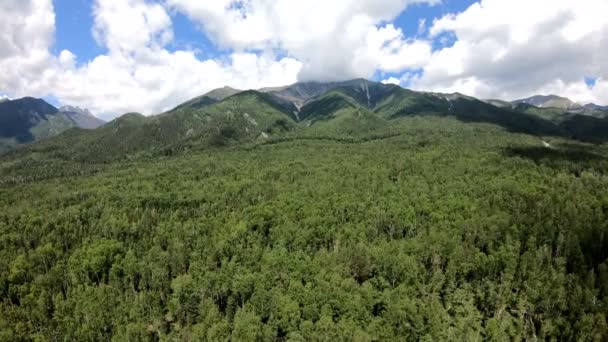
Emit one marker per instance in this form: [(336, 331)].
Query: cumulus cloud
[(131, 25), (512, 49), (334, 40), (26, 32), (137, 73)]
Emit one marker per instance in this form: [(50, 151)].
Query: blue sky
[(74, 21), (151, 55)]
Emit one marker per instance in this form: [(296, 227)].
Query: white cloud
[(137, 73), (512, 49), (391, 80), (26, 32), (334, 40), (131, 25)]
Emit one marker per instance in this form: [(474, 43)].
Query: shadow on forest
[(572, 157)]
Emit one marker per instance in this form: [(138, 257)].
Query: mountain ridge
[(227, 116)]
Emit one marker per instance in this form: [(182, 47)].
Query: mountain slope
[(326, 105), (473, 110), (585, 124), (391, 102), (335, 114), (586, 128), (29, 119), (302, 92), (403, 102), (244, 117), (548, 113)]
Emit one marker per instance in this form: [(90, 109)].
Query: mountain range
[(552, 104), (29, 119), (226, 116)]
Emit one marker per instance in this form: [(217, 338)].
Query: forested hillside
[(344, 227)]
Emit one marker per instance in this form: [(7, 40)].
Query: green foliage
[(426, 228), (587, 128), (326, 106)]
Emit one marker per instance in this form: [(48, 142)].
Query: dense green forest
[(429, 229)]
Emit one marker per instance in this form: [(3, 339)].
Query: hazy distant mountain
[(549, 101), (82, 118), (554, 101), (555, 108), (597, 107)]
